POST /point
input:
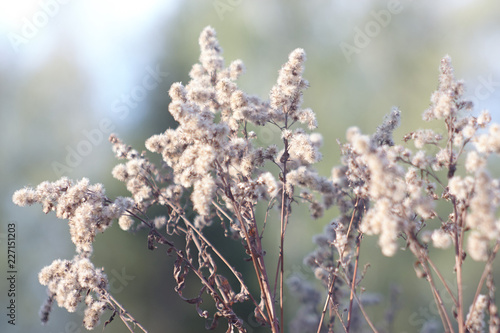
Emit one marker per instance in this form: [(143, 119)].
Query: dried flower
[(475, 317), (67, 280), (85, 206), (441, 239), (214, 169)]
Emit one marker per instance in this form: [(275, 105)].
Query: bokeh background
[(72, 71)]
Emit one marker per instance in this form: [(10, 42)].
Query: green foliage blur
[(47, 104)]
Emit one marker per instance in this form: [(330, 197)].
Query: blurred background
[(72, 72)]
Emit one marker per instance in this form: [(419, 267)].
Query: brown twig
[(484, 275), (458, 265), (330, 291), (353, 282), (440, 276), (422, 256), (124, 315), (328, 298)]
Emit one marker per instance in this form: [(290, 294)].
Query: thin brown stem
[(484, 275), (421, 254), (437, 298), (124, 315), (330, 291), (284, 220), (353, 282), (440, 276), (442, 311), (254, 247), (458, 266), (260, 270), (222, 211), (283, 223), (365, 315), (269, 206), (336, 310), (206, 241), (328, 298)]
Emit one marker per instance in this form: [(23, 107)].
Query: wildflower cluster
[(88, 212), (83, 205), (404, 186), (214, 170), (67, 281), (212, 156), (392, 191)]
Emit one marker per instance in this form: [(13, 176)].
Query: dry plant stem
[(186, 260), (284, 222), (352, 216), (206, 241), (426, 171), (439, 301), (222, 211), (124, 315), (328, 297), (459, 219), (269, 206), (253, 248), (323, 312), (330, 291), (242, 283), (221, 257), (256, 254), (422, 256), (361, 307), (353, 294), (260, 249), (126, 324), (336, 310), (353, 282), (197, 272), (358, 245), (365, 315), (442, 312), (431, 263), (484, 275), (260, 270), (196, 241), (458, 265)]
